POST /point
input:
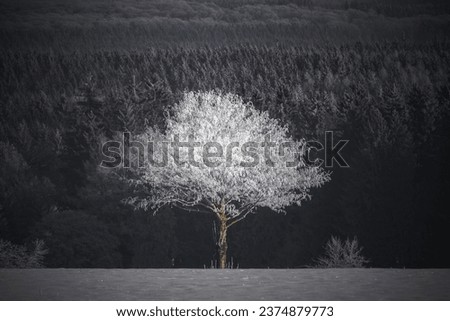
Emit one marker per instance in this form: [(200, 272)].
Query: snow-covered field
[(210, 284)]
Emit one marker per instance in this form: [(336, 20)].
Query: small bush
[(342, 254), (16, 256)]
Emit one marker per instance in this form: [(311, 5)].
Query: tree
[(219, 154)]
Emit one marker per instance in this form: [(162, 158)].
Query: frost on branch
[(233, 185)]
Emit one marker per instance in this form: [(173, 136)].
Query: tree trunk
[(223, 243)]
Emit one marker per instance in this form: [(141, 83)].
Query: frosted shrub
[(16, 256), (342, 254)]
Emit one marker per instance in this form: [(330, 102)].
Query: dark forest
[(375, 73)]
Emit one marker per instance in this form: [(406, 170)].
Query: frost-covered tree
[(218, 153)]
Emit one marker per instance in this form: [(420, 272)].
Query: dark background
[(375, 72)]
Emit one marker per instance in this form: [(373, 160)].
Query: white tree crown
[(242, 174)]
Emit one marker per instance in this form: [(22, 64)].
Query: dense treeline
[(390, 100), (128, 25), (216, 10), (320, 30)]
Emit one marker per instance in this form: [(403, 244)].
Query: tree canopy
[(233, 158)]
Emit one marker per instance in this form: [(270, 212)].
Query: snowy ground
[(251, 284)]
